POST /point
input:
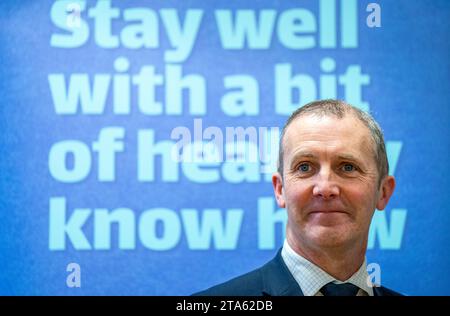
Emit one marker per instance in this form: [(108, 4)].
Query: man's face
[(330, 186)]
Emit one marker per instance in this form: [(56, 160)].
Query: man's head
[(333, 173), (339, 109)]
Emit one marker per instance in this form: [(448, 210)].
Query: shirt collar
[(312, 278)]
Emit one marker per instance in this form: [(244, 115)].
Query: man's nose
[(325, 186)]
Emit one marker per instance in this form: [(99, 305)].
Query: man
[(332, 174)]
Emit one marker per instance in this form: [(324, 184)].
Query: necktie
[(344, 289)]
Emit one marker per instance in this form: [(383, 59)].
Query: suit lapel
[(278, 280), (382, 291)]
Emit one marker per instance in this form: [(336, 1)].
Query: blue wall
[(96, 93)]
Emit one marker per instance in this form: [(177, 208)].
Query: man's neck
[(339, 262)]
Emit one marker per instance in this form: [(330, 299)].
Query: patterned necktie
[(344, 289)]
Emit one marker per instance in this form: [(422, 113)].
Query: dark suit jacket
[(272, 279)]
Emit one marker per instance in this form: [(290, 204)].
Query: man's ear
[(277, 183), (386, 190)]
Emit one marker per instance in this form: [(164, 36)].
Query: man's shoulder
[(248, 284), (273, 278)]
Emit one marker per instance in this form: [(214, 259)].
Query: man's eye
[(348, 167), (304, 167)]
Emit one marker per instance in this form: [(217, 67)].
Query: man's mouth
[(327, 211)]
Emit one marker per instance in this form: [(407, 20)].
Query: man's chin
[(330, 236)]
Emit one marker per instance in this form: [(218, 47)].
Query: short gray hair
[(340, 109)]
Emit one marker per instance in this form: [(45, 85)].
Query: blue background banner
[(97, 94)]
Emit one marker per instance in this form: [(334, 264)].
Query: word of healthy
[(73, 161), (296, 28)]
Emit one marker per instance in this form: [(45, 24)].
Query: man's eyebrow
[(308, 154), (348, 157), (302, 154)]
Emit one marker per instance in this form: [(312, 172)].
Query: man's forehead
[(344, 132)]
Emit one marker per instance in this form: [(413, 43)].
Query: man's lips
[(327, 211), (328, 217)]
